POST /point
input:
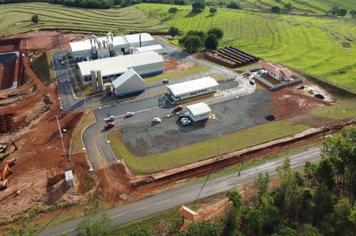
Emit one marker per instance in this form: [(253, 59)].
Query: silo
[(93, 81), (100, 81)]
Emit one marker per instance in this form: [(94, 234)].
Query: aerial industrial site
[(142, 123)]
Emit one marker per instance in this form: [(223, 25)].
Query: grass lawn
[(42, 65), (310, 44), (16, 18), (76, 143), (176, 74), (203, 150)]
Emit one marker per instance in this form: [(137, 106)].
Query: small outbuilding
[(128, 83), (69, 178), (277, 72), (199, 111)]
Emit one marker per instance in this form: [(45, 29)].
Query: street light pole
[(61, 137)]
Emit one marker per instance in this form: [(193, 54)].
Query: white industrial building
[(128, 83), (154, 48), (109, 46), (146, 63), (199, 111), (193, 88)]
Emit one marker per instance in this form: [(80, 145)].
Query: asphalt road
[(187, 193)]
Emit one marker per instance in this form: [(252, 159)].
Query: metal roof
[(198, 109), (156, 48), (129, 74), (135, 38), (68, 175), (192, 86), (124, 40), (119, 64)]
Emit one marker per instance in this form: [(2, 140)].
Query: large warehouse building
[(189, 89), (128, 83), (146, 63), (109, 46)]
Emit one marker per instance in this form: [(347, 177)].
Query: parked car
[(156, 120), (165, 81), (109, 118), (109, 125), (129, 114), (185, 121), (177, 108)]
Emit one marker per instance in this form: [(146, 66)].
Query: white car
[(129, 114), (156, 120), (185, 121), (109, 119)]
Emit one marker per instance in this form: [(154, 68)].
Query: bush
[(212, 10), (35, 19), (211, 42), (217, 32), (173, 31), (191, 43), (198, 6), (276, 9), (173, 10), (233, 5)]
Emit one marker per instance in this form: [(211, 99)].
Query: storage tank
[(100, 81), (93, 81)]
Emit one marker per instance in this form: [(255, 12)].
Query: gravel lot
[(143, 138)]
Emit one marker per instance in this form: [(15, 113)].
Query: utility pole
[(61, 137)]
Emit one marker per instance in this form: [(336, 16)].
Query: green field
[(300, 6), (16, 18), (310, 44)]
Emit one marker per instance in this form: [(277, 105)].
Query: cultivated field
[(307, 43), (16, 18), (300, 6)]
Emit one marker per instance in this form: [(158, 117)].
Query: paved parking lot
[(143, 138)]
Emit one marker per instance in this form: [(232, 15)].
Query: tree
[(35, 19), (261, 183), (276, 9), (211, 42), (342, 211), (235, 198), (198, 6), (288, 7), (338, 11), (325, 173), (173, 10), (217, 32), (233, 5), (191, 43), (212, 10), (309, 230), (285, 231), (323, 203), (253, 219), (173, 31), (202, 229)]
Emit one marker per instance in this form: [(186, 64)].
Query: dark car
[(177, 108)]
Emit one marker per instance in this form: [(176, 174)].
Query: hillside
[(300, 6), (308, 43), (16, 18)]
